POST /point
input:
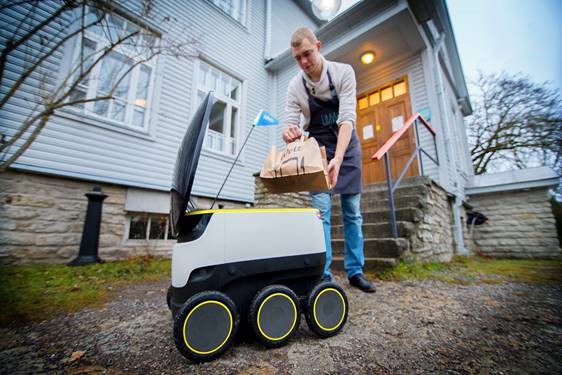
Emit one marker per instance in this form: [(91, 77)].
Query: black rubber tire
[(271, 299), (169, 297), (224, 323), (335, 317)]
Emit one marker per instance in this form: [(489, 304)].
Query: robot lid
[(187, 160)]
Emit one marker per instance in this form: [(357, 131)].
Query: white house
[(128, 146)]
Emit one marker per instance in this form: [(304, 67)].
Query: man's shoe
[(359, 281), (326, 279)]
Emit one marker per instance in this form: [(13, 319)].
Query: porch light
[(367, 57), (325, 9)]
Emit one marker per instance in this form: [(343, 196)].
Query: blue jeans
[(353, 258)]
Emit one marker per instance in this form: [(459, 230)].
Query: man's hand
[(292, 133), (333, 171)]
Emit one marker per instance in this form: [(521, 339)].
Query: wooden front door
[(377, 112)]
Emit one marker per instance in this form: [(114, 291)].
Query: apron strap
[(332, 87)]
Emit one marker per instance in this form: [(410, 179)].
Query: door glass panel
[(374, 98), (363, 103), (386, 93), (399, 89)]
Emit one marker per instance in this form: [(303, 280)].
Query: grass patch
[(36, 292), (465, 270)]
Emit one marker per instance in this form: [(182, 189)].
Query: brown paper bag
[(302, 166)]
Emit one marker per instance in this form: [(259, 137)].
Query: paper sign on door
[(397, 123), (368, 132)]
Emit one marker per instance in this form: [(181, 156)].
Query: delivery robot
[(247, 270)]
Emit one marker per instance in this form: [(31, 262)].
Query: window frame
[(243, 7), (199, 90), (131, 214), (87, 111)]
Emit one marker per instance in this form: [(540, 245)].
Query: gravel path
[(406, 327)]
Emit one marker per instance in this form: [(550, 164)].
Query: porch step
[(371, 264), (369, 203), (376, 247), (378, 230), (380, 215), (406, 183)]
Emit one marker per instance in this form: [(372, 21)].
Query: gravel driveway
[(406, 327)]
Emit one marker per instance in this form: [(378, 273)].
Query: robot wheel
[(326, 309), (205, 326), (274, 315)]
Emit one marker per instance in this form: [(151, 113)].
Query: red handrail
[(394, 138)]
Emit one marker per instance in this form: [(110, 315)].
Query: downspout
[(458, 232), (271, 75), (267, 46)]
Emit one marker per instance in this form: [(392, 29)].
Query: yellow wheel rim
[(294, 316), (225, 339), (328, 329)]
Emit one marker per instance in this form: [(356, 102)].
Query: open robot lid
[(187, 160)]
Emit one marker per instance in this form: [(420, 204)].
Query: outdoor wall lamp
[(325, 9), (367, 57)]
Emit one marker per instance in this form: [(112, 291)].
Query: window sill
[(149, 242), (69, 114), (233, 20)]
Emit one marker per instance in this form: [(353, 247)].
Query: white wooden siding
[(286, 15), (88, 151)]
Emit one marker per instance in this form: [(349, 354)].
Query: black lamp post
[(90, 236)]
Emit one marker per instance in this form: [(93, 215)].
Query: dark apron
[(324, 128)]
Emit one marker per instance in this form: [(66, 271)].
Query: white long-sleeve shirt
[(343, 78)]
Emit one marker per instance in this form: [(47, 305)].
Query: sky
[(515, 36), (509, 35)]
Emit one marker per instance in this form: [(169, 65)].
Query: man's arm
[(292, 117), (344, 136), (346, 122)]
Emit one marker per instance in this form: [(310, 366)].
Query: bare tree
[(45, 31), (516, 123)]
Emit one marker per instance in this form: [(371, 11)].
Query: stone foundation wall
[(264, 199), (521, 225), (42, 218), (433, 239)]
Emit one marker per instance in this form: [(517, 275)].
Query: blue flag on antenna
[(265, 119)]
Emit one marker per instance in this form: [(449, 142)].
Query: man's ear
[(319, 45)]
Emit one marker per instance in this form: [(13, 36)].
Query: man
[(324, 94)]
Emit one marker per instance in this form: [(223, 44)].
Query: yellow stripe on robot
[(251, 210)]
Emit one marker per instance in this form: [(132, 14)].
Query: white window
[(143, 226), (234, 8), (122, 70), (222, 135)]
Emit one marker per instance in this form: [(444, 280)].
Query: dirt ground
[(406, 327)]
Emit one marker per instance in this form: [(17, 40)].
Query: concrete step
[(401, 191), (371, 264), (383, 216), (374, 204), (376, 247), (378, 230), (404, 184)]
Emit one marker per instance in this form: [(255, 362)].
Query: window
[(388, 92), (145, 226), (224, 119), (234, 8), (122, 73)]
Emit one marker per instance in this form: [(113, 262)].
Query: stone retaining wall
[(42, 218), (264, 199), (521, 225), (433, 239)]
